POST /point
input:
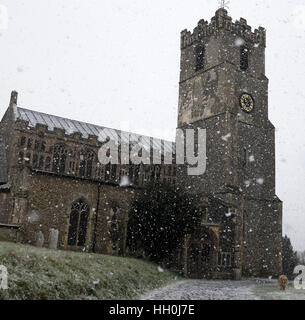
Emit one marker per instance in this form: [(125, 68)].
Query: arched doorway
[(202, 253), (78, 223)]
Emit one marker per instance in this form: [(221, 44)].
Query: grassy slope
[(36, 273)]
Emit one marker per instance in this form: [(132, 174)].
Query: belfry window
[(36, 145), (244, 58), (200, 54), (30, 143), (23, 141)]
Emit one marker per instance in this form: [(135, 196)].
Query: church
[(51, 177)]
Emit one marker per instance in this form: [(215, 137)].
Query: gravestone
[(40, 239), (237, 274), (53, 238)]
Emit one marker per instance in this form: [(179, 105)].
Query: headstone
[(53, 238), (237, 274), (40, 239)]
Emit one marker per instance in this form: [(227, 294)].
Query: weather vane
[(224, 4)]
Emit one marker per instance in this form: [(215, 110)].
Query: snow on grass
[(246, 289), (204, 290), (38, 273), (272, 292)]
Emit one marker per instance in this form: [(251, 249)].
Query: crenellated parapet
[(222, 22)]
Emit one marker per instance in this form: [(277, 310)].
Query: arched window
[(113, 171), (89, 164), (82, 165), (20, 157), (35, 161), (22, 142), (36, 145), (40, 165), (28, 158), (43, 146), (200, 54), (59, 159), (78, 223), (107, 171), (62, 165), (244, 58), (55, 162), (89, 168)]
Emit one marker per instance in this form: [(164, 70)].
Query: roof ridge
[(73, 121)]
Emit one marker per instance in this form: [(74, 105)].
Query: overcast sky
[(116, 63)]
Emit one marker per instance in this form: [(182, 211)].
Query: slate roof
[(86, 129)]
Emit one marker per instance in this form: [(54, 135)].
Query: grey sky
[(116, 63)]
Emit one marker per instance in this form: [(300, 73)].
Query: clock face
[(246, 102)]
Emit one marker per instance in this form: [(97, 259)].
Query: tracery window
[(28, 158), (78, 223), (55, 162), (59, 159), (62, 165), (35, 161), (20, 157)]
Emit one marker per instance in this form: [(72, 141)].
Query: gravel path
[(205, 290), (248, 289)]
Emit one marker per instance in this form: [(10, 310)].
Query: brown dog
[(283, 281)]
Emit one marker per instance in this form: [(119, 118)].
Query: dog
[(283, 281)]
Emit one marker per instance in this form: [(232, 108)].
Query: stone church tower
[(224, 89)]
